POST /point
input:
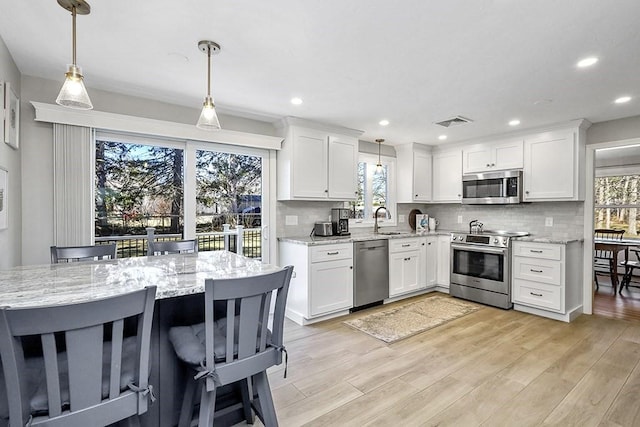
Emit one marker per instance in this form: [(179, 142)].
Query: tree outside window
[(375, 189), (616, 203)]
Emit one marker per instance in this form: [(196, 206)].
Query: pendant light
[(379, 165), (208, 118), (73, 93)]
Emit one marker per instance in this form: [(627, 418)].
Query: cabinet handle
[(326, 191), (488, 165), (407, 259), (351, 267), (406, 246), (535, 251), (535, 271), (428, 243), (423, 244), (416, 195), (493, 165), (458, 195), (333, 253), (526, 192), (535, 295)]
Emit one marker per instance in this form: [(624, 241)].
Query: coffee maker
[(340, 221)]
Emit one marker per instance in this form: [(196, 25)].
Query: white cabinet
[(407, 265), (413, 173), (501, 155), (343, 167), (316, 163), (547, 279), (444, 261), (322, 283), (554, 165), (432, 261), (447, 176)]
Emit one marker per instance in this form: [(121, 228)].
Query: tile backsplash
[(567, 217)]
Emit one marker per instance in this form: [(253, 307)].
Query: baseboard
[(567, 317)]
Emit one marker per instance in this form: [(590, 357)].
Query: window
[(375, 189), (617, 203), (183, 189), (138, 186)]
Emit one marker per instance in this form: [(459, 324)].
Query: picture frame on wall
[(4, 201), (2, 115), (11, 117)]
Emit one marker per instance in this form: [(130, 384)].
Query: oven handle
[(502, 251)]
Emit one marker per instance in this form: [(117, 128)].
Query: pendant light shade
[(73, 93), (379, 168), (208, 118)]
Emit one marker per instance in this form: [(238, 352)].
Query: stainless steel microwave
[(499, 188)]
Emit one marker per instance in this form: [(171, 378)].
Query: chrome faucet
[(375, 216)]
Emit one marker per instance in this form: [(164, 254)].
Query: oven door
[(480, 267)]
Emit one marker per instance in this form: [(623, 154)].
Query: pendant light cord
[(73, 44), (209, 71)]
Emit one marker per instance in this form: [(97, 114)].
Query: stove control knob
[(495, 240), (454, 238), (504, 240)]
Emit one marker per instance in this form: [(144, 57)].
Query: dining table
[(615, 247), (179, 279)]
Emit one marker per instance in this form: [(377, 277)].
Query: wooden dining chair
[(234, 345), (629, 266), (61, 254), (174, 247), (603, 259), (80, 368)]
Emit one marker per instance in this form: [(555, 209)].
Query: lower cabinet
[(432, 261), (322, 282), (407, 265), (547, 279), (444, 261)]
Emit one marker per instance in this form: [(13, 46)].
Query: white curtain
[(73, 152)]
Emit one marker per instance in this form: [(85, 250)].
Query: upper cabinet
[(499, 155), (413, 173), (317, 162), (447, 176), (554, 165)]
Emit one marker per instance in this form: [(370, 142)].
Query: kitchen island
[(179, 300)]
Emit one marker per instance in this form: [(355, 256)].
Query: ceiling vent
[(457, 120)]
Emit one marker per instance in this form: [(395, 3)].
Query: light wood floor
[(492, 368)]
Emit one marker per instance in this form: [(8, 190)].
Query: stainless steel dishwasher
[(370, 272)]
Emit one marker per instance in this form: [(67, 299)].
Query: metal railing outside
[(248, 242)]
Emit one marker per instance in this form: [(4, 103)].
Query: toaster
[(323, 229)]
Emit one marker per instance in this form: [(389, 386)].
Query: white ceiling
[(355, 62)]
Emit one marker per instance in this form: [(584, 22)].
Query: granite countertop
[(174, 275), (360, 236), (550, 239)]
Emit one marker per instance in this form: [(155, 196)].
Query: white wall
[(614, 130), (10, 241), (37, 153)]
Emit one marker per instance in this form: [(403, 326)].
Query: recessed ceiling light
[(296, 101), (514, 122), (442, 137), (622, 99), (383, 122), (587, 62)]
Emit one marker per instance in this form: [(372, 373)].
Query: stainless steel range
[(481, 266)]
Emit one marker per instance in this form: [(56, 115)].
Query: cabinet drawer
[(331, 252), (538, 250), (402, 245), (538, 270), (537, 294)]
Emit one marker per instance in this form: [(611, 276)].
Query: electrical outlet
[(291, 220), (548, 221), (401, 218), (459, 219)]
